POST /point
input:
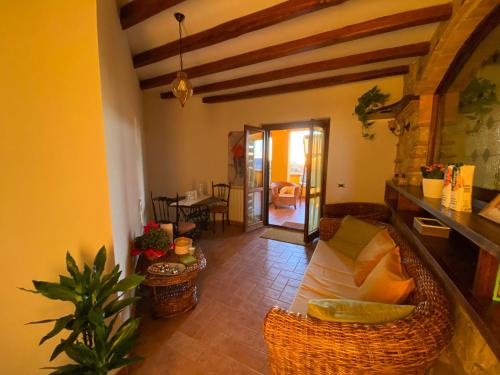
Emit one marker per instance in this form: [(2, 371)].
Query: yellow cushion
[(371, 254), (350, 311), (387, 283), (352, 236)]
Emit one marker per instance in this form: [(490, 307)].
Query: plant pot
[(432, 187), (153, 255), (151, 258)]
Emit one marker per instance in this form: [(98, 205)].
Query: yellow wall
[(54, 188), (279, 170)]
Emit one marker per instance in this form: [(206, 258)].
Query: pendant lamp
[(181, 87)]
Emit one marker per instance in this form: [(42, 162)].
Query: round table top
[(190, 272)]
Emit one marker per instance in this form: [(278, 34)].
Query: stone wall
[(424, 78)]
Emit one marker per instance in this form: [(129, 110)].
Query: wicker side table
[(174, 294)]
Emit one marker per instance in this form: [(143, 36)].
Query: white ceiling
[(204, 14)]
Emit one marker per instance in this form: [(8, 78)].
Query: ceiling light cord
[(180, 45)]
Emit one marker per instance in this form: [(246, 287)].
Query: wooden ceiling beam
[(409, 50), (308, 85), (139, 10), (234, 28), (348, 33)]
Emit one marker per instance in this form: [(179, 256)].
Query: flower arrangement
[(153, 243), (434, 171)]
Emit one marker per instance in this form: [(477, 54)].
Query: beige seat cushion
[(329, 275), (186, 226), (371, 254)]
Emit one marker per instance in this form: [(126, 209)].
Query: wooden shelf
[(454, 259), (392, 110), (483, 232)]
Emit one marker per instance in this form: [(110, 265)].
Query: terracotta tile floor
[(245, 276), (278, 216)]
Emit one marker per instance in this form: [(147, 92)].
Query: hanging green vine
[(368, 102), (476, 102)]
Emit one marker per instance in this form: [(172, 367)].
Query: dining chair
[(161, 209), (222, 192), (183, 226), (162, 212)]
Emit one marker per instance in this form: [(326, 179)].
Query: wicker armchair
[(302, 345), (279, 200), (361, 210)]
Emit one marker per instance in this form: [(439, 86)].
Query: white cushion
[(289, 190)]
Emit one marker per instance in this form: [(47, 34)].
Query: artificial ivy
[(476, 102), (368, 102)]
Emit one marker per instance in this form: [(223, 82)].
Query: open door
[(316, 180), (255, 167)]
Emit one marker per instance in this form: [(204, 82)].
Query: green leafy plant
[(368, 102), (477, 101), (93, 343), (434, 171)]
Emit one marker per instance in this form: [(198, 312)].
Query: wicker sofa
[(299, 344)]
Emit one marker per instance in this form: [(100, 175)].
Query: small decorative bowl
[(166, 269)]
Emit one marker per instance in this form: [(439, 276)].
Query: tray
[(166, 269)]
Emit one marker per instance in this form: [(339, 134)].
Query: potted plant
[(154, 243), (94, 343), (368, 102), (432, 180)]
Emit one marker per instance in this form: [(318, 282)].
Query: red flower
[(150, 225)]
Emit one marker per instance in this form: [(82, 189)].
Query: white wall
[(122, 112), (188, 146)]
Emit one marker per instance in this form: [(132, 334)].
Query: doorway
[(287, 177), (291, 192)]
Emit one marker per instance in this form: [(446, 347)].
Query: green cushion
[(352, 236), (351, 311)]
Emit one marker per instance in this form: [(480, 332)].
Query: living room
[(97, 123)]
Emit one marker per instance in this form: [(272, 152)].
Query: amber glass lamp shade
[(182, 88)]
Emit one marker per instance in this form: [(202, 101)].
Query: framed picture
[(236, 158), (492, 210)]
